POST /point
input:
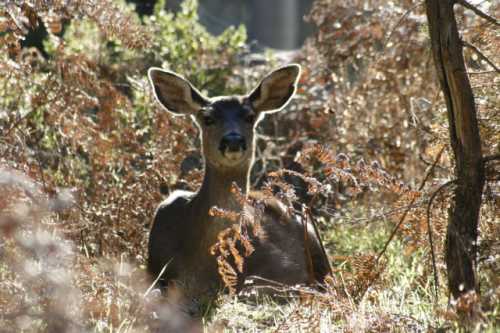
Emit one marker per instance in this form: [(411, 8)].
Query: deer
[(183, 229)]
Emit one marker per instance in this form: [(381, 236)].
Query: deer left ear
[(175, 93), (276, 89)]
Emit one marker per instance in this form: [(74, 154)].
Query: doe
[(183, 230)]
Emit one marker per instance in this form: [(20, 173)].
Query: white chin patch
[(233, 157)]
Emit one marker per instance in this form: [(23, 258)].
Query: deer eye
[(208, 120)]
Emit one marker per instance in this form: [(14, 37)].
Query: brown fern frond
[(356, 176), (228, 274), (314, 184), (238, 194), (224, 214), (279, 188), (232, 247), (113, 20)]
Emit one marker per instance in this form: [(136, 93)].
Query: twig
[(39, 163), (316, 232), (491, 158), (429, 163), (478, 12), (481, 55), (481, 72), (429, 232), (307, 249), (157, 278), (399, 22), (330, 212), (493, 84), (18, 121), (421, 322), (396, 228)]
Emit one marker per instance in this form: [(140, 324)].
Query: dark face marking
[(230, 110), (227, 124)]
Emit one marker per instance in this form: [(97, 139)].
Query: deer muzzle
[(232, 145)]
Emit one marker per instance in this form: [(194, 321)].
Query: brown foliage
[(84, 150)]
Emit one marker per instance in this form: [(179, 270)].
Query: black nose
[(232, 142)]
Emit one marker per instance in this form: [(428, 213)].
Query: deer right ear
[(175, 93), (276, 89)]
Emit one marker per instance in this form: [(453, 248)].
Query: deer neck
[(216, 191), (217, 184)]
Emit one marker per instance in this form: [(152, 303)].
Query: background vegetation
[(86, 155)]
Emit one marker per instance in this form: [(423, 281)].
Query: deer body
[(183, 230)]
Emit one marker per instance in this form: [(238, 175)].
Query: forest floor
[(402, 299)]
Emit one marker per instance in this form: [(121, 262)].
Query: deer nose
[(232, 142)]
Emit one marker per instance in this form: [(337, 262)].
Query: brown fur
[(183, 231)]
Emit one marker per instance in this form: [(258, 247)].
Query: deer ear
[(175, 93), (276, 89)]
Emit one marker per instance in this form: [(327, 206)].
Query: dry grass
[(84, 150)]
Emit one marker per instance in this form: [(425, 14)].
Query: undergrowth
[(86, 155)]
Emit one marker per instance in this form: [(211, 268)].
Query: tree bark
[(463, 217)]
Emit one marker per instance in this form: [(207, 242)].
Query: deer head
[(227, 123)]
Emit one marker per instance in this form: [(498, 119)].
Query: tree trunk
[(463, 216)]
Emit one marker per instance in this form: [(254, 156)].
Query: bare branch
[(309, 217), (491, 158), (478, 12), (403, 218), (401, 19), (481, 55), (481, 72), (422, 184)]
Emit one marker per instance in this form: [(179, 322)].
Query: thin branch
[(429, 163), (429, 232), (18, 121), (401, 19), (157, 278), (330, 212), (307, 249), (481, 72), (39, 163), (491, 158), (478, 12), (396, 228), (317, 234), (481, 55), (44, 101), (429, 173)]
